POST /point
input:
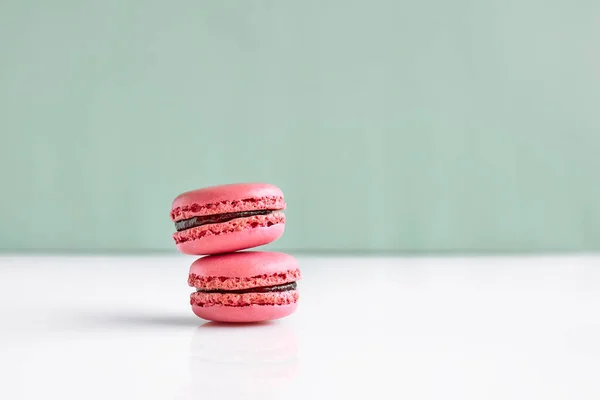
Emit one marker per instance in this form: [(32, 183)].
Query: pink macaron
[(247, 286), (226, 218)]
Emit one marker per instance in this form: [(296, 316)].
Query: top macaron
[(226, 218)]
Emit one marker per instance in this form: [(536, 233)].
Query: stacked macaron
[(232, 285)]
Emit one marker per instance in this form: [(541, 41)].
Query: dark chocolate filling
[(216, 219), (265, 289)]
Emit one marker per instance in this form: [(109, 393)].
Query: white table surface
[(398, 328)]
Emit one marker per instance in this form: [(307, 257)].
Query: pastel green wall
[(391, 125)]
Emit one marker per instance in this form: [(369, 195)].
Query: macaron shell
[(227, 198), (253, 313), (234, 225), (237, 283), (244, 264), (231, 241), (204, 299), (227, 206)]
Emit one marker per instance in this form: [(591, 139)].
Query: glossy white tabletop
[(422, 328)]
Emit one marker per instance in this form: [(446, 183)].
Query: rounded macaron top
[(244, 264), (227, 199)]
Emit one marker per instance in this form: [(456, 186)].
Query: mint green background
[(391, 125)]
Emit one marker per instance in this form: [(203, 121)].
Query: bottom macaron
[(244, 287)]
